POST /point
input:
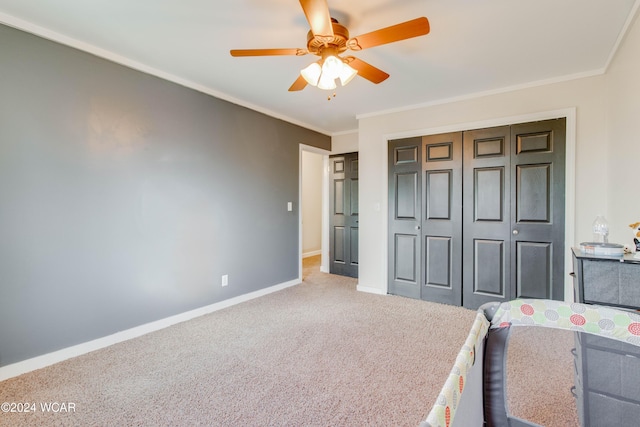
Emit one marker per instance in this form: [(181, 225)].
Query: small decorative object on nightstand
[(636, 235)]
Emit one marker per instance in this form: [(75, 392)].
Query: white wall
[(585, 95), (623, 120), (344, 143), (312, 168)]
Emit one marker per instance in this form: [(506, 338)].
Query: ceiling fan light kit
[(333, 67), (328, 39)]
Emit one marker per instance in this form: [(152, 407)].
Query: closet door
[(478, 216), (487, 216), (405, 170), (442, 218), (514, 185), (538, 209)]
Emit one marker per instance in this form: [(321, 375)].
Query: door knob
[(417, 227), (515, 232)]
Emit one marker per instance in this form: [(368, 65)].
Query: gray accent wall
[(124, 198)]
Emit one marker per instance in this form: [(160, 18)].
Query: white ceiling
[(475, 46)]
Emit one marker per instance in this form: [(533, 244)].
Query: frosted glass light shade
[(332, 67), (347, 74), (326, 82), (312, 73)]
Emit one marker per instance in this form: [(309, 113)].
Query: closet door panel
[(486, 223), (438, 261), (404, 235), (489, 262), (534, 270), (537, 205), (442, 221)]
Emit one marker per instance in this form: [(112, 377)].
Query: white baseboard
[(45, 360), (370, 290), (312, 253)]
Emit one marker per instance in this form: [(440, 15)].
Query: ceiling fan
[(328, 39)]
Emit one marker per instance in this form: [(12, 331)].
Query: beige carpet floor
[(316, 354), (540, 374)]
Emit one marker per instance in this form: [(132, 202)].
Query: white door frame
[(324, 266)]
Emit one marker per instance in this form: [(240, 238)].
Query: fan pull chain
[(329, 97)]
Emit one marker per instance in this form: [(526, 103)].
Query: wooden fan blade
[(406, 30), (317, 13), (267, 52), (299, 84), (368, 71)]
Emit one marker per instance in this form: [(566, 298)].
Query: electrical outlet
[(225, 279)]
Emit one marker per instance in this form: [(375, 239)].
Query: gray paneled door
[(405, 217), (481, 217), (538, 209), (487, 215), (425, 217), (343, 205), (442, 218), (514, 186)]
